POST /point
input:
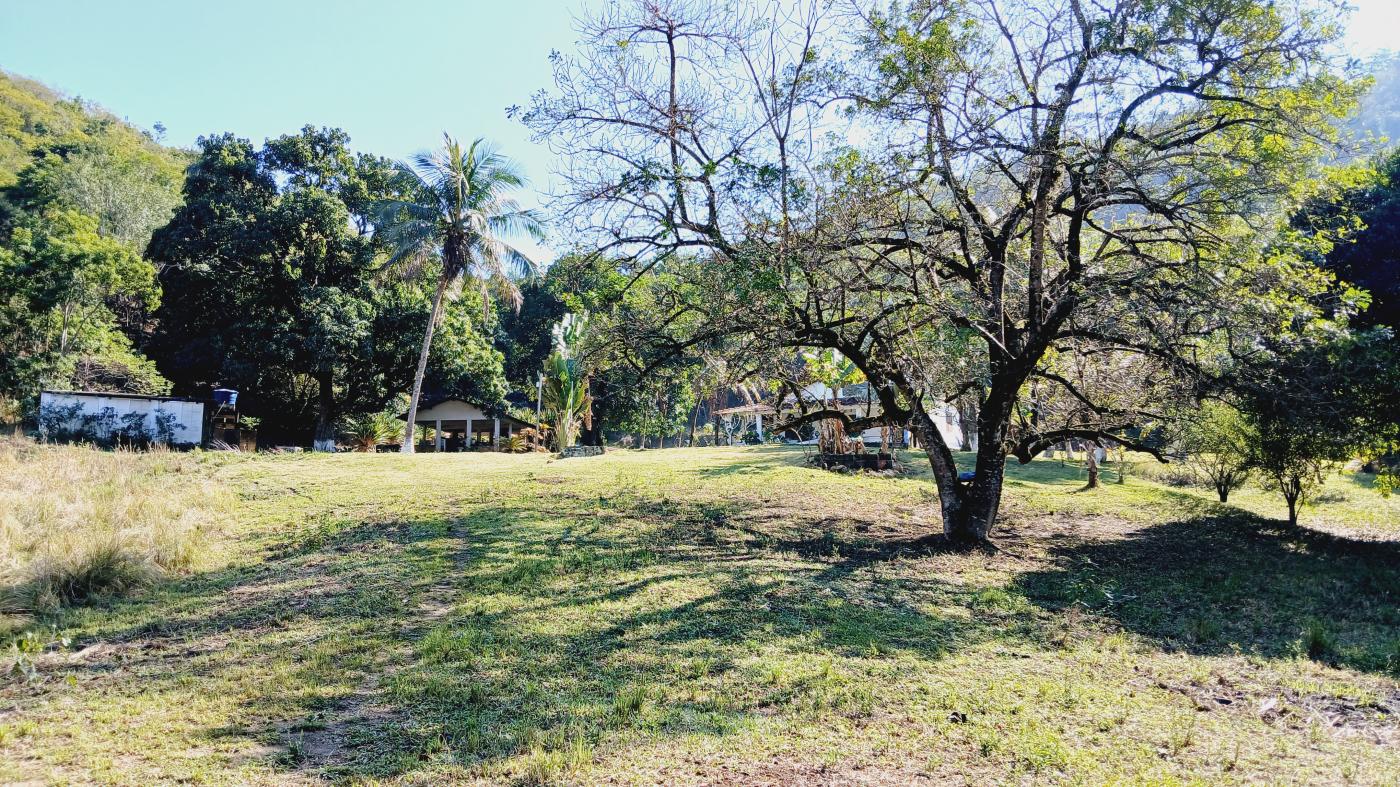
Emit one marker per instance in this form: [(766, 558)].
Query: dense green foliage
[(1360, 218), (279, 288), (647, 373), (80, 194), (64, 282)]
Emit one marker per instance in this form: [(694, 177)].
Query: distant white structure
[(857, 401), (120, 418)]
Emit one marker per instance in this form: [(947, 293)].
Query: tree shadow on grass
[(1229, 582), (507, 640), (518, 632), (565, 643)]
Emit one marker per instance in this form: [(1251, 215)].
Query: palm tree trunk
[(423, 366)]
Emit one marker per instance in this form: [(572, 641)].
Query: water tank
[(225, 397)]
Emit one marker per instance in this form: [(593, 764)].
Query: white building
[(458, 420), (858, 401), (120, 418)]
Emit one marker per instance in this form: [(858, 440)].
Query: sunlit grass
[(721, 615)]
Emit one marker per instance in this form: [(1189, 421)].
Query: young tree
[(454, 221), (1220, 447), (1321, 400), (1061, 185)]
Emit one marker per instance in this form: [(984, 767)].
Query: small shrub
[(446, 644), (1392, 658), (629, 702), (1202, 629), (1183, 733), (100, 570), (530, 571), (1318, 641), (544, 766), (367, 432)]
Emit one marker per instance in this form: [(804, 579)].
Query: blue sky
[(395, 75)]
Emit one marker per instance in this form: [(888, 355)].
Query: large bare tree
[(1058, 208)]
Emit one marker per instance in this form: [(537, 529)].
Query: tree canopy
[(1079, 195)]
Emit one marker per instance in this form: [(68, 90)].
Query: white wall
[(950, 426), (452, 410), (945, 418), (187, 428)]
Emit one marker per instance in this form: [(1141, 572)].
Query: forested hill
[(35, 117), (81, 191)]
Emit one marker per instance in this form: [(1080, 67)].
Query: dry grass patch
[(77, 523)]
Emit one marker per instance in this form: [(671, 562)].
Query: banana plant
[(566, 396)]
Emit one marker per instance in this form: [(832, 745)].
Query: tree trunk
[(1292, 493), (983, 501), (1091, 462), (324, 437), (967, 420), (1224, 491), (694, 416), (592, 431), (423, 365), (972, 522), (969, 510)]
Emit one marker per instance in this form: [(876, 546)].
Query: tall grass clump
[(78, 523)]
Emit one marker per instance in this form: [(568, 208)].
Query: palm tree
[(456, 211)]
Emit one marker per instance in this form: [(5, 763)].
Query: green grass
[(725, 615)]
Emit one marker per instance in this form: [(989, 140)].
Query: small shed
[(104, 417), (465, 424)]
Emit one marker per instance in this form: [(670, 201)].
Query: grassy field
[(721, 616)]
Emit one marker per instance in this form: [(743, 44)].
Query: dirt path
[(323, 749)]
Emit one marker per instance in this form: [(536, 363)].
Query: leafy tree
[(1068, 186), (1220, 446), (657, 405), (1359, 223), (277, 289), (1320, 400), (131, 186), (453, 218), (573, 282), (61, 280)]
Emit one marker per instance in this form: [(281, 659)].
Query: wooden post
[(470, 436), (437, 436), (496, 432)]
